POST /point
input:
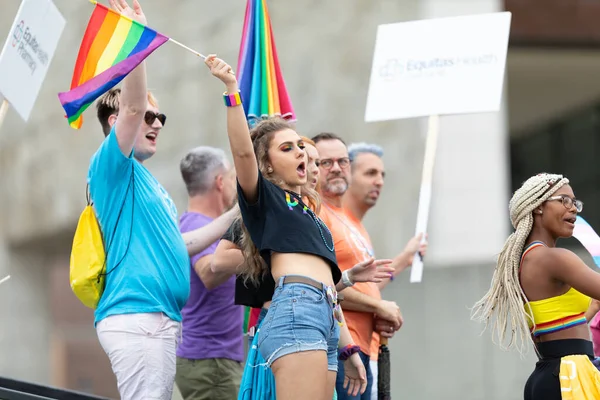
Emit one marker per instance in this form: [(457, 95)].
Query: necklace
[(354, 231), (318, 222)]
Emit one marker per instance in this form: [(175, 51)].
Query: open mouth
[(151, 137), (301, 169), (571, 220)]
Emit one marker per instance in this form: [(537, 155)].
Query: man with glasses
[(368, 173), (352, 245)]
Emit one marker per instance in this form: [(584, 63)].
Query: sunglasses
[(150, 117)]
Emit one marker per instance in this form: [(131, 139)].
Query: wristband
[(232, 100), (346, 279), (346, 351)]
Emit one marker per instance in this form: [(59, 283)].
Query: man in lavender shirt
[(211, 352)]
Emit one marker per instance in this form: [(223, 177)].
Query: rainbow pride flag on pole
[(261, 85), (259, 75), (112, 46)]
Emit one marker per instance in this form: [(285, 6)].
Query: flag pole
[(3, 111), (187, 48)]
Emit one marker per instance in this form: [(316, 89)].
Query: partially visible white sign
[(28, 51), (438, 66)]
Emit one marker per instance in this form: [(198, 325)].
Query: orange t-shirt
[(375, 340), (353, 245)]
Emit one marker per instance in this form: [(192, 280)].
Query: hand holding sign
[(437, 67)]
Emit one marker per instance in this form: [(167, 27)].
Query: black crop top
[(249, 294), (279, 221)]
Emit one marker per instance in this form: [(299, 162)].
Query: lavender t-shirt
[(212, 323)]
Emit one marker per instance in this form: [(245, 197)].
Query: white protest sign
[(438, 66), (27, 53)]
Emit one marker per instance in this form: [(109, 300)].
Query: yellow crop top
[(559, 312)]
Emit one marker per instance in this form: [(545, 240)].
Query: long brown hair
[(261, 134)]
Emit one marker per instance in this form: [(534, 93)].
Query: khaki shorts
[(209, 379)]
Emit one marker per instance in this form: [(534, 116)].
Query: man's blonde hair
[(108, 104)]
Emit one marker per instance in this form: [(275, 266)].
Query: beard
[(336, 189)]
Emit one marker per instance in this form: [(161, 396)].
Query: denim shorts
[(300, 318)]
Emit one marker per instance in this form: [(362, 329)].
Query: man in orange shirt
[(367, 176), (352, 245)]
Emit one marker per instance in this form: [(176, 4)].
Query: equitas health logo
[(27, 46), (18, 33)]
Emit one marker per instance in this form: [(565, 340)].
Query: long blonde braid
[(506, 298)]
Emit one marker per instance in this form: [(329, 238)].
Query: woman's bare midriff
[(576, 332), (303, 264)]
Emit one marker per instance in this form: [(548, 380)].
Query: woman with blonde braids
[(541, 294)]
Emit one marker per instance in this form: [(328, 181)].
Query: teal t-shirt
[(153, 275)]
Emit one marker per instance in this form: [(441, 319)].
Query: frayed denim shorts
[(300, 318)]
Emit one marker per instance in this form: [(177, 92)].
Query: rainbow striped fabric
[(261, 82), (559, 324), (530, 247), (112, 46)]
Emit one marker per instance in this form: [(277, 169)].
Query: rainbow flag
[(588, 238), (246, 327), (259, 75), (112, 46), (250, 318)]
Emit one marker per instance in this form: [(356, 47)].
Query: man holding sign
[(352, 245), (367, 179)]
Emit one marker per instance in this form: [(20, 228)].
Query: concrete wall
[(325, 49)]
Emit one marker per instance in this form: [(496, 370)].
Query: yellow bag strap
[(132, 187)]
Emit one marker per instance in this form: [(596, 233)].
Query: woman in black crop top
[(299, 335), (228, 259)]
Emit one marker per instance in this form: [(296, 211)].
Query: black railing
[(12, 389)]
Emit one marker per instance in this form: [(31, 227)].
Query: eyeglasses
[(150, 117), (327, 163), (568, 202)]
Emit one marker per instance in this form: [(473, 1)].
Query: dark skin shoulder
[(550, 272)]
